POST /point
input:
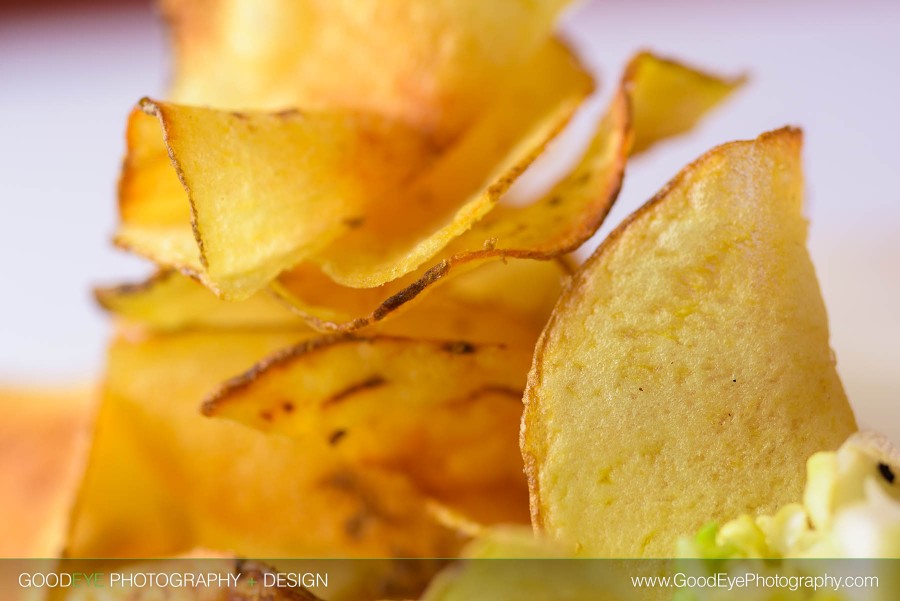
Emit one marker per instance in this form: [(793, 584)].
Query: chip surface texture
[(685, 375)]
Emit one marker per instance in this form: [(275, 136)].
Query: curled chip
[(492, 302), (433, 65), (692, 347), (233, 205), (249, 493), (561, 220), (445, 414), (505, 303), (366, 199), (668, 98)]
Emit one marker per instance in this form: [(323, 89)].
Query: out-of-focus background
[(71, 70)]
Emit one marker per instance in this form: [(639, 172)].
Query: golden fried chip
[(555, 224), (162, 479), (563, 219), (668, 98), (506, 303), (433, 65), (685, 375), (445, 414), (356, 195), (263, 190), (43, 435), (170, 301), (479, 168)]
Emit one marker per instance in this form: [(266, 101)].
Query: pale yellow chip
[(433, 65), (494, 302), (365, 199), (479, 168), (685, 376), (162, 479), (668, 98), (169, 301), (445, 414), (558, 222)]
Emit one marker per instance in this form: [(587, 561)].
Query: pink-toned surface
[(68, 77)]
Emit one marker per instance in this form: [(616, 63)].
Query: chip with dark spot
[(336, 437), (886, 472), (353, 525), (459, 347), (354, 222)]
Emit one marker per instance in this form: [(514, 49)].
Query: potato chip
[(433, 65), (668, 98), (355, 194), (253, 181), (445, 414), (37, 478), (169, 301), (162, 479), (329, 306), (507, 303), (558, 222), (685, 375)]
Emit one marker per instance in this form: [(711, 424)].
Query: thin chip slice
[(358, 196), (668, 98), (253, 181), (495, 302), (169, 301), (501, 303), (558, 222), (445, 414), (685, 375), (430, 64), (162, 479)]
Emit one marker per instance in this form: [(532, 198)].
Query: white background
[(68, 79)]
